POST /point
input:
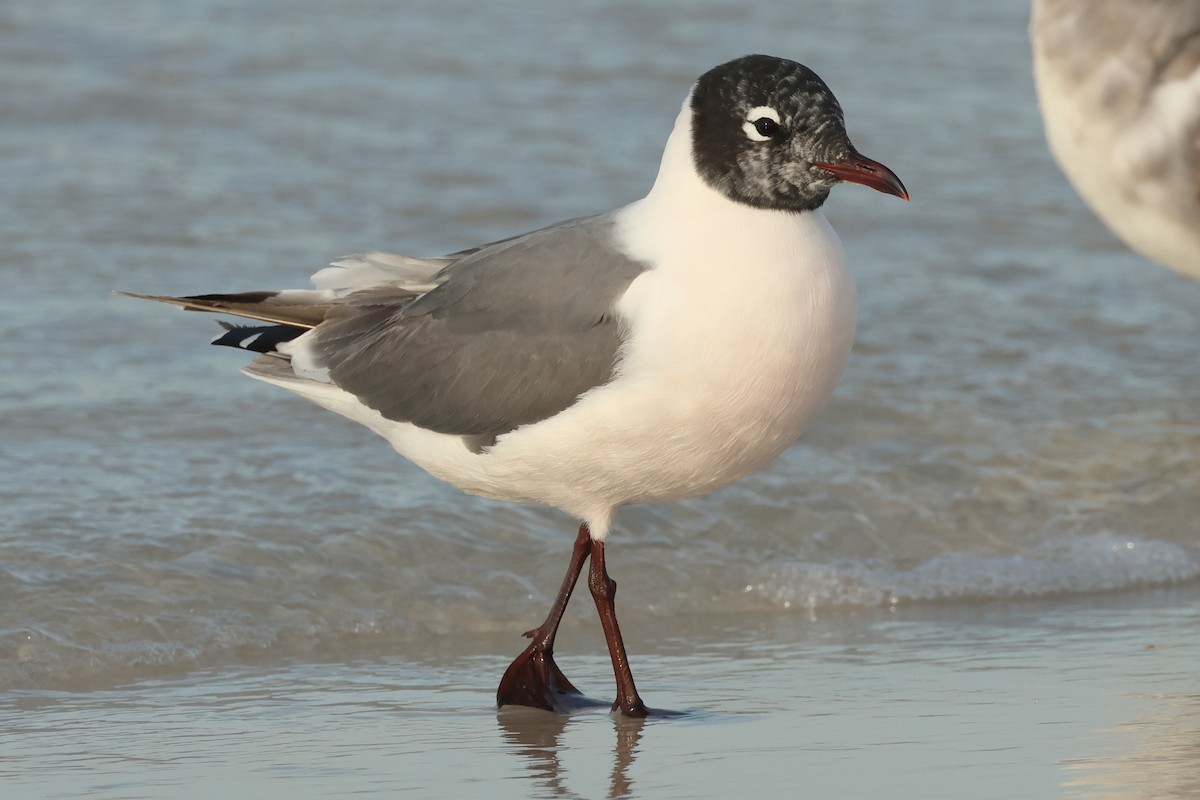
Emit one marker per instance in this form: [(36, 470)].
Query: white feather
[(365, 270)]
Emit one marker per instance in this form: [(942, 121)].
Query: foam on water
[(140, 628), (1071, 566)]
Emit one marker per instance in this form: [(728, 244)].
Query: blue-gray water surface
[(1019, 418)]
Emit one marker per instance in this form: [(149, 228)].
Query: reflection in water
[(537, 737), (629, 732), (1155, 756)]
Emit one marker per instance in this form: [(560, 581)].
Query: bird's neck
[(682, 211), (679, 185)]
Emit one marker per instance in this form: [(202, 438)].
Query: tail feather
[(307, 308), (276, 368), (297, 308)]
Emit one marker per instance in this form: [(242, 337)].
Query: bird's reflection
[(536, 736)]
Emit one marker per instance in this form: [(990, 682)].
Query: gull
[(651, 353), (1118, 83)]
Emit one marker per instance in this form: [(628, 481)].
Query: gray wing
[(514, 334)]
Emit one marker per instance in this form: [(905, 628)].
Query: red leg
[(604, 592), (533, 679)]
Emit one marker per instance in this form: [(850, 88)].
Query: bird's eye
[(762, 124), (766, 126)]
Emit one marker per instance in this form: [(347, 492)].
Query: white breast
[(738, 338)]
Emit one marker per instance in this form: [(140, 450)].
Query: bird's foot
[(533, 679), (636, 709)]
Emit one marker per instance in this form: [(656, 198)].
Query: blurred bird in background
[(1118, 82)]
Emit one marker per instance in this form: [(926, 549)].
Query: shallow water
[(1091, 697), (1018, 420)]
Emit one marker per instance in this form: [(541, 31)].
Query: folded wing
[(474, 344)]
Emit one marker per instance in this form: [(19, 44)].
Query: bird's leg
[(533, 679), (604, 592)]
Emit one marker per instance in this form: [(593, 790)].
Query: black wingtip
[(255, 338)]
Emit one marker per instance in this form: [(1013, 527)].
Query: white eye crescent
[(762, 123)]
